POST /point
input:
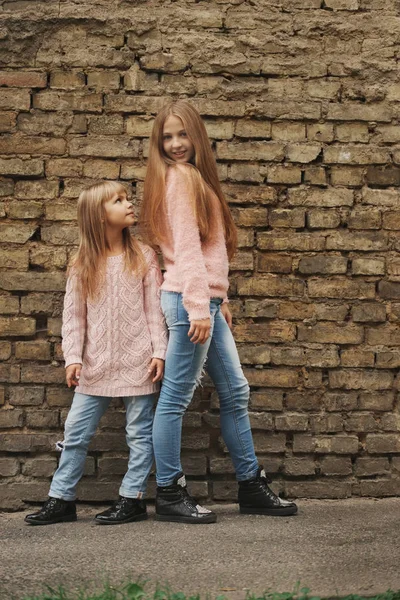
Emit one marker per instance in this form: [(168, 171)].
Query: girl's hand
[(227, 314), (72, 374), (156, 369), (199, 331)]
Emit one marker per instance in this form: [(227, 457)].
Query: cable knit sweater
[(198, 270), (116, 335)]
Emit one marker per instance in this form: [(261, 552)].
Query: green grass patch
[(136, 591)]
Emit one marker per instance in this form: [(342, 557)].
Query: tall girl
[(114, 343), (186, 214)]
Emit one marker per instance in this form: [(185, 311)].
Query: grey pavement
[(334, 547)]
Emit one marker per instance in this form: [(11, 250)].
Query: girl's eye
[(183, 134), (118, 200), (167, 137)]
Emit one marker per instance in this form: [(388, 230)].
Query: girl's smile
[(176, 144)]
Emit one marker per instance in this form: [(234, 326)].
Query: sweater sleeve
[(187, 246), (155, 319), (73, 323)]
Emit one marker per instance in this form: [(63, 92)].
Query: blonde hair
[(89, 262), (202, 177)]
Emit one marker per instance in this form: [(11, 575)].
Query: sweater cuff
[(198, 313), (73, 360), (159, 354), (225, 300)]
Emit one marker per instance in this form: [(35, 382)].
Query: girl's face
[(177, 146), (119, 212)]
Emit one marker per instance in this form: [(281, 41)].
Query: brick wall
[(301, 99)]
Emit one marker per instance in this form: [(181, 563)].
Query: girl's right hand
[(72, 374), (199, 331)]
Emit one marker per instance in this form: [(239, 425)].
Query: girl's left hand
[(227, 314), (156, 369)]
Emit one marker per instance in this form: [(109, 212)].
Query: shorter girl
[(114, 344)]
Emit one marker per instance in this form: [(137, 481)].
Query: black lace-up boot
[(54, 510), (257, 498), (124, 510), (174, 503)]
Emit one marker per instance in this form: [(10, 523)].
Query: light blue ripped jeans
[(183, 366), (80, 426)]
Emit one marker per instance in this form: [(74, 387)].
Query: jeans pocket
[(169, 307)]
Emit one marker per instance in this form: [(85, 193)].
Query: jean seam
[(232, 401), (73, 461)]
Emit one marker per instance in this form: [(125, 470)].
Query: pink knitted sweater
[(198, 270), (116, 335)]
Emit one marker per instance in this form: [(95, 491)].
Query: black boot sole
[(143, 517), (65, 519), (273, 512), (189, 520)]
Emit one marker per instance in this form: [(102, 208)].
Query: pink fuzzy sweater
[(198, 270), (116, 335)]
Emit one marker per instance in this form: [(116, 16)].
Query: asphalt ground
[(333, 547)]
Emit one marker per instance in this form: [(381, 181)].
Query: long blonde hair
[(202, 178), (89, 262)]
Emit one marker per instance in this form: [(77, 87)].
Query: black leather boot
[(54, 510), (256, 498), (174, 503), (124, 510)]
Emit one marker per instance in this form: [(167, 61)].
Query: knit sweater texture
[(199, 270), (115, 336)]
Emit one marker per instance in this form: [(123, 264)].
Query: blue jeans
[(80, 426), (183, 367)]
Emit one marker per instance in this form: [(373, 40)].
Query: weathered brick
[(352, 132), (39, 123), (303, 400), (32, 281), (283, 217), (347, 176), (14, 259), (286, 131), (296, 467), (270, 400), (337, 444), (318, 489), (304, 196), (36, 350), (9, 467), (254, 355), (383, 443), (274, 263), (388, 334), (67, 80), (345, 240), (334, 465), (357, 358), (340, 288), (320, 132), (331, 333), (103, 80), (26, 396), (39, 467), (11, 418), (368, 311), (75, 101), (17, 166), (60, 234), (269, 442), (101, 169), (274, 331), (34, 145), (368, 466), (25, 210), (17, 326), (271, 151), (359, 112), (64, 167), (281, 174), (98, 145), (278, 378), (368, 266), (376, 401), (291, 422), (331, 423), (14, 99), (250, 217), (302, 153), (253, 129), (303, 242), (352, 379), (328, 265)]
